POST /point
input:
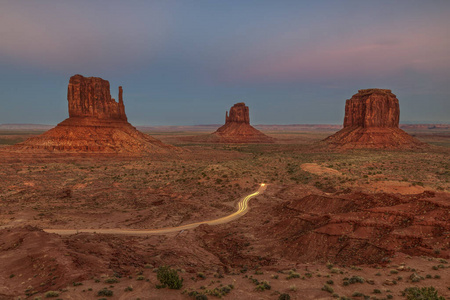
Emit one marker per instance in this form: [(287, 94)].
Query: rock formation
[(239, 113), (237, 128), (96, 124), (371, 121), (90, 97)]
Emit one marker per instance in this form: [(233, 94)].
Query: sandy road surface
[(242, 210)]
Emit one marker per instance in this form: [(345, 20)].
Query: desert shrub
[(51, 294), (128, 289), (220, 291), (425, 293), (111, 280), (293, 274), (263, 285), (358, 294), (169, 277), (335, 270), (330, 282), (284, 297), (105, 292), (415, 277), (355, 279), (140, 277), (201, 297), (327, 288)]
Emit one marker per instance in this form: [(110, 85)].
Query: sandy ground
[(319, 170)]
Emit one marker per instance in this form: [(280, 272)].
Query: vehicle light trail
[(242, 210)]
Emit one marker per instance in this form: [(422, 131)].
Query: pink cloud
[(381, 54)]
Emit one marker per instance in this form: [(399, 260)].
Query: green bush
[(169, 277), (425, 293), (284, 297)]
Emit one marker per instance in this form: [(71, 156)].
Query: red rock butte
[(96, 124), (371, 121), (237, 128)]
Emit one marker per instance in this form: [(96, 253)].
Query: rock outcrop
[(372, 108), (96, 124), (90, 97), (239, 113), (372, 121), (237, 128)]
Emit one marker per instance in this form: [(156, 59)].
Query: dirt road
[(242, 210)]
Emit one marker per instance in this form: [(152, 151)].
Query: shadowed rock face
[(237, 128), (96, 124), (371, 121), (90, 97), (372, 108)]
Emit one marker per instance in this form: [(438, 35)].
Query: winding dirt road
[(242, 210)]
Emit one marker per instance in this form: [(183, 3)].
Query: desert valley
[(237, 150), (358, 214)]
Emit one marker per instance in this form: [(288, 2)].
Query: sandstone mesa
[(237, 128), (372, 121), (96, 124)]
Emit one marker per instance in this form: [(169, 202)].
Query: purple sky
[(187, 62)]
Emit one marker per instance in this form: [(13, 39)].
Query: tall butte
[(371, 121), (96, 124), (237, 128)]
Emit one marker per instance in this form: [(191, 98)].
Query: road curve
[(242, 210)]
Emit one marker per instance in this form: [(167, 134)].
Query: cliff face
[(90, 97), (237, 128), (239, 113), (371, 121), (372, 108)]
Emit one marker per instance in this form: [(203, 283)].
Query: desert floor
[(362, 224)]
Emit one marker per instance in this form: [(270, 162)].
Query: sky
[(187, 62)]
